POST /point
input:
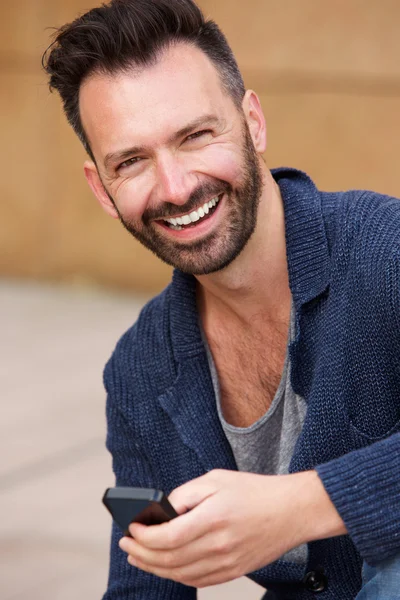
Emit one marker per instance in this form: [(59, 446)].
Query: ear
[(96, 185), (254, 115)]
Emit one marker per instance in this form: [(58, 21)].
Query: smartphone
[(142, 505)]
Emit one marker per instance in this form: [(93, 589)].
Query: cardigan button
[(315, 581)]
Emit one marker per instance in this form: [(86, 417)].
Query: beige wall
[(329, 78)]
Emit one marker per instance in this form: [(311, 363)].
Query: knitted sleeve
[(131, 469), (364, 485)]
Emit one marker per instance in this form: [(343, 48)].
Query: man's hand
[(232, 523)]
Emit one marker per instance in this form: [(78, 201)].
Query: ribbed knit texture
[(163, 427)]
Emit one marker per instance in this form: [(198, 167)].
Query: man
[(261, 387)]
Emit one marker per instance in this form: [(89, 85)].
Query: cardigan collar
[(307, 256), (306, 241)]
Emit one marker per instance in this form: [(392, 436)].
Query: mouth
[(194, 218)]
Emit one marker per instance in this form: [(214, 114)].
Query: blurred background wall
[(328, 74)]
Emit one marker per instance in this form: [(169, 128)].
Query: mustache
[(197, 198)]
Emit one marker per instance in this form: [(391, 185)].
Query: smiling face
[(175, 159)]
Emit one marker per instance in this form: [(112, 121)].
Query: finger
[(176, 533), (195, 551), (153, 536), (199, 574), (136, 528), (190, 494), (184, 498), (216, 578)]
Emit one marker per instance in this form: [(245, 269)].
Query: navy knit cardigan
[(163, 427)]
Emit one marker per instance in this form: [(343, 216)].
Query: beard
[(219, 248)]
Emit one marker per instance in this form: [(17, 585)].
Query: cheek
[(131, 199), (221, 164)]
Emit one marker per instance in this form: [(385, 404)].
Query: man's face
[(175, 158)]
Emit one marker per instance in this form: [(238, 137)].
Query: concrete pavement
[(54, 531)]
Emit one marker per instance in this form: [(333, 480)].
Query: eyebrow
[(203, 121)]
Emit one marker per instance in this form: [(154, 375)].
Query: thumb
[(192, 493)]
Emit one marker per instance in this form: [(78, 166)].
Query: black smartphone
[(143, 505)]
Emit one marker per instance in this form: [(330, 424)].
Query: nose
[(173, 181)]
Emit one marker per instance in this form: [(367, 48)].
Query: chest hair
[(249, 366)]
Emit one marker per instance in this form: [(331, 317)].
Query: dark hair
[(126, 33)]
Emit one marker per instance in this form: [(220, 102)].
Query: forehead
[(147, 105)]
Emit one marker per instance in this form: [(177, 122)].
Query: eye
[(198, 134), (129, 162)]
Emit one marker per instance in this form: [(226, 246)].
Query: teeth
[(196, 215)]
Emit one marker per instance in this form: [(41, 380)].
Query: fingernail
[(123, 542)]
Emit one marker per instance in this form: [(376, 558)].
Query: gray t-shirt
[(266, 447)]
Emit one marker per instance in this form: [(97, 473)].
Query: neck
[(256, 283)]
